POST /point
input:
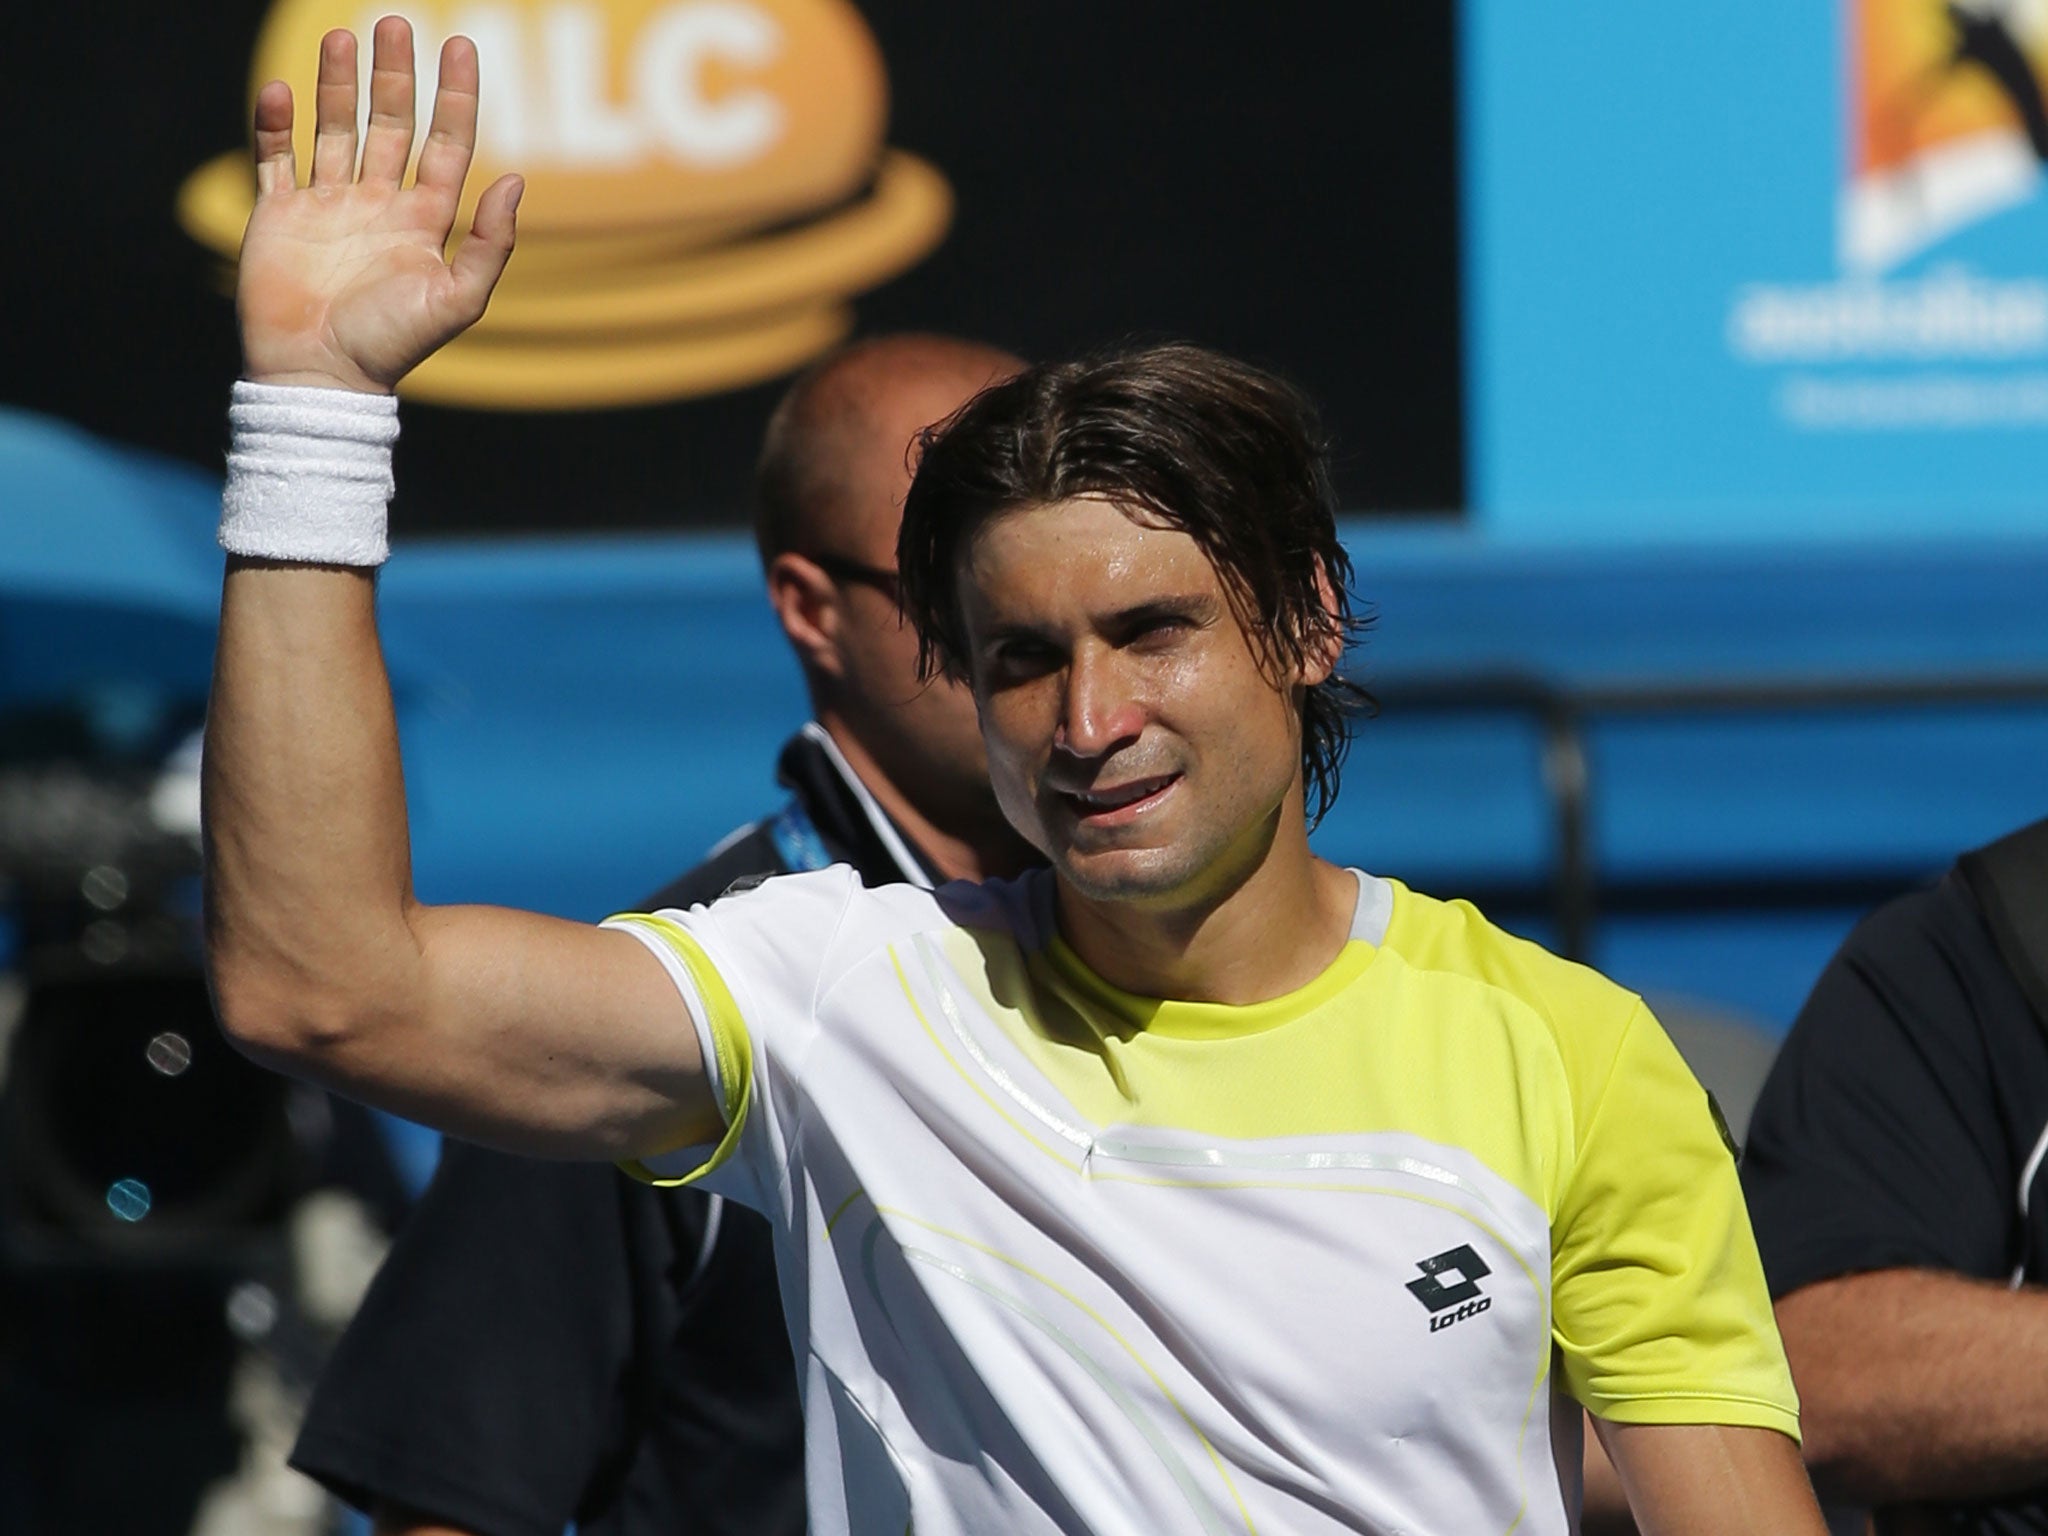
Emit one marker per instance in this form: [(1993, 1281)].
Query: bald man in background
[(554, 1342)]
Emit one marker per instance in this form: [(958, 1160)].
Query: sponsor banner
[(1756, 269), (718, 188), (707, 187)]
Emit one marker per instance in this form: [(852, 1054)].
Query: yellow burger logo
[(707, 187)]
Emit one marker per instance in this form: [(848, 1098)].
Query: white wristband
[(309, 474)]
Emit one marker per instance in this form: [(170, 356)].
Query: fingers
[(387, 144), (334, 111), (481, 258), (451, 137), (277, 167)]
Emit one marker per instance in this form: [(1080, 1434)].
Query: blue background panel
[(1631, 173), (582, 719)]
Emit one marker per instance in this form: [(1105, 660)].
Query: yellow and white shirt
[(1057, 1258)]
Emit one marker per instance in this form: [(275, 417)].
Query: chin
[(1135, 875)]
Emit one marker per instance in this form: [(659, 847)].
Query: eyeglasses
[(860, 573)]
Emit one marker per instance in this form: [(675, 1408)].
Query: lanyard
[(796, 840)]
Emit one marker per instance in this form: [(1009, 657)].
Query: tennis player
[(1196, 1184)]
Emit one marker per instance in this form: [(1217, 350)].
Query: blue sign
[(1756, 269)]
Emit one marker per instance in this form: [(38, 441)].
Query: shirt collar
[(848, 819)]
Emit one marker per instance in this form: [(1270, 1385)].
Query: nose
[(1101, 711)]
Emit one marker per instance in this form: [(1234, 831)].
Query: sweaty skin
[(1138, 742)]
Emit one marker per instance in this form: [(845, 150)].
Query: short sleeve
[(1658, 1303), (750, 968), (1876, 1142)]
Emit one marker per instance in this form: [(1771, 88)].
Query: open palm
[(343, 282)]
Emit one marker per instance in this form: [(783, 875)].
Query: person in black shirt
[(1894, 1178), (554, 1342)]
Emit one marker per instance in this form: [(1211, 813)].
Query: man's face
[(1133, 735)]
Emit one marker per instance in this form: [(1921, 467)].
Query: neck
[(1261, 936), (959, 847)]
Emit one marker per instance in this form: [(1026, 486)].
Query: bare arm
[(540, 1035), (1603, 1508), (1712, 1480), (1919, 1385)]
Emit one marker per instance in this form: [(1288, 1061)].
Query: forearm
[(307, 867), (1916, 1384)]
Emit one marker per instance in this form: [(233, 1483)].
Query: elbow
[(305, 998), (282, 1019)]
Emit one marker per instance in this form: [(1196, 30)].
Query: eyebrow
[(1194, 607)]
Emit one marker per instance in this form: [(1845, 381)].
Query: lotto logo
[(1461, 1292), (1471, 1309)]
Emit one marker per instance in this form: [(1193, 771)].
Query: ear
[(806, 600), (1326, 653)]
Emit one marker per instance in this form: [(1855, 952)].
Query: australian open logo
[(1947, 129), (1449, 1286), (1947, 121), (708, 186)]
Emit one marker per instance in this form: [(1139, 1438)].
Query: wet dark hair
[(1190, 439)]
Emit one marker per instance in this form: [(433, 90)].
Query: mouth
[(1114, 804)]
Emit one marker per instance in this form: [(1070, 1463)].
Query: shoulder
[(1918, 1013), (1903, 1102), (1021, 907), (1928, 938), (1590, 1031), (1014, 905), (801, 938), (1923, 967), (863, 918), (747, 854), (799, 932), (784, 896), (1453, 947)]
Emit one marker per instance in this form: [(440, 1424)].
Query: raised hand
[(343, 283)]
